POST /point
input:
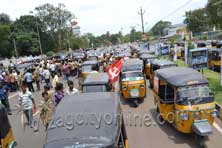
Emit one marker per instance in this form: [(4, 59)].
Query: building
[(179, 31), (76, 30)]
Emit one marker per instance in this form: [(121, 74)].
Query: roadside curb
[(218, 107)]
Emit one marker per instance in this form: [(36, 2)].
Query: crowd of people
[(43, 74)]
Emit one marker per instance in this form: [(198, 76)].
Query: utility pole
[(141, 13), (16, 53), (40, 45)]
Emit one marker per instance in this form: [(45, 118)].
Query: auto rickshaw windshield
[(87, 68), (149, 60), (94, 88), (132, 76), (194, 95)]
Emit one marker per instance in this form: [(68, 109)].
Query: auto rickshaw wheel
[(141, 100), (201, 140), (136, 103)]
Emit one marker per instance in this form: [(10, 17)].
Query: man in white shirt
[(47, 75), (71, 90), (27, 101)]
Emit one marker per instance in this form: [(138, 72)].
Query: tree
[(197, 20), (6, 47), (4, 19), (214, 11), (56, 20), (158, 28)]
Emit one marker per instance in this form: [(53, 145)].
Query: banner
[(114, 70)]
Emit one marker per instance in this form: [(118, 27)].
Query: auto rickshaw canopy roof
[(147, 56), (216, 49), (90, 62), (163, 63), (134, 61), (181, 76), (96, 78), (198, 49), (89, 106)]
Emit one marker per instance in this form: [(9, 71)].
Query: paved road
[(156, 135), (153, 136)]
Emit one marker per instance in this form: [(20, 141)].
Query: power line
[(184, 5)]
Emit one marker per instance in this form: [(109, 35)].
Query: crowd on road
[(43, 74), (31, 77)]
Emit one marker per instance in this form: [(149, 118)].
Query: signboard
[(198, 59)]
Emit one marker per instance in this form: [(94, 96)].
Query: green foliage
[(4, 19), (214, 11), (190, 45), (5, 42), (158, 28), (205, 37), (50, 53), (197, 20)]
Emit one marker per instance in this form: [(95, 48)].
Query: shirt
[(3, 92), (26, 100), (52, 67), (73, 92), (58, 97), (28, 77), (55, 80), (46, 74)]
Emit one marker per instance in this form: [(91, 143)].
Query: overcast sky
[(100, 16)]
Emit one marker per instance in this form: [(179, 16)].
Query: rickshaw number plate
[(134, 93)]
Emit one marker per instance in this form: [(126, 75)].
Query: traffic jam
[(121, 96)]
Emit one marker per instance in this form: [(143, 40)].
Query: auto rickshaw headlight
[(124, 88), (214, 113), (184, 116), (142, 86)]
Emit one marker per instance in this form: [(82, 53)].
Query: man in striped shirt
[(27, 101)]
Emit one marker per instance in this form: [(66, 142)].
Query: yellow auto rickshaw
[(147, 58), (159, 64), (7, 139), (214, 59), (183, 98), (96, 82), (132, 81), (87, 67)]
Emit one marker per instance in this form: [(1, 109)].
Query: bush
[(50, 53)]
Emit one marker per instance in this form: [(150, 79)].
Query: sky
[(100, 16)]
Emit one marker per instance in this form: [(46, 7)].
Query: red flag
[(114, 70)]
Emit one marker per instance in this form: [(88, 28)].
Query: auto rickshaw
[(214, 59), (183, 98), (159, 64), (132, 81), (96, 82), (78, 126), (143, 51), (147, 58), (7, 139), (87, 68)]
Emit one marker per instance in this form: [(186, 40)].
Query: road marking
[(217, 127)]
